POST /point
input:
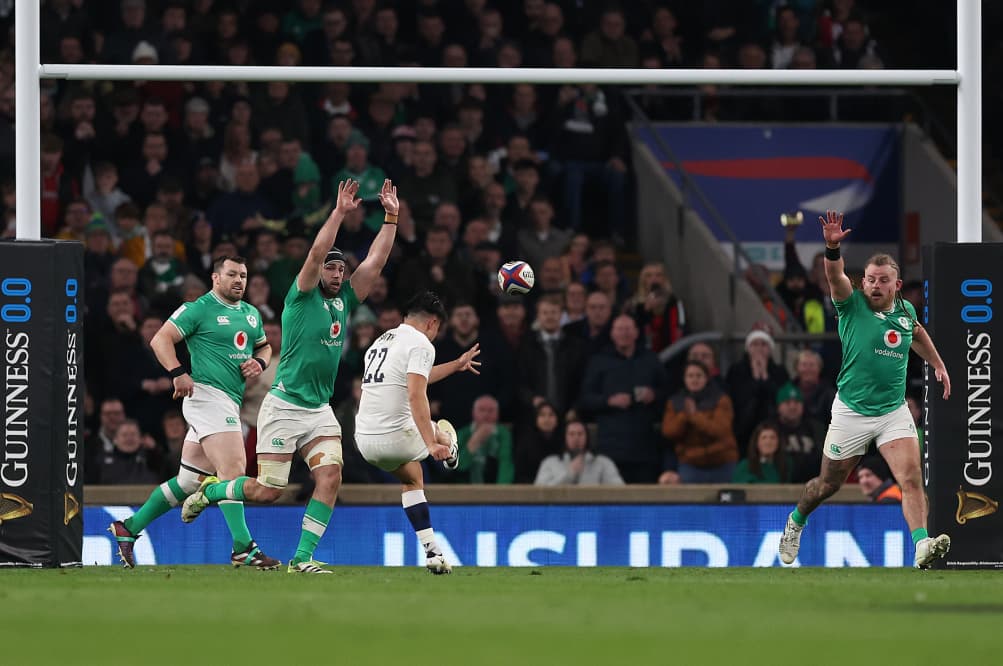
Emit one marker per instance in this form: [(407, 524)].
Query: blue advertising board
[(753, 173), (507, 535)]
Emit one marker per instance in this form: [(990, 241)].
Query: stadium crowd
[(159, 178)]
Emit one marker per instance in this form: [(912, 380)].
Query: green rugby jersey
[(876, 345), (313, 337), (220, 336)]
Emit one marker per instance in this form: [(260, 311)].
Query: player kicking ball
[(394, 429), (877, 328)]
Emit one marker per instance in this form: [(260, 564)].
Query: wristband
[(177, 372), (390, 218), (261, 362), (832, 253)]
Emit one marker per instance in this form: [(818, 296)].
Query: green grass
[(215, 615)]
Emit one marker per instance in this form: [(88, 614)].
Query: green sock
[(315, 521), (233, 513), (798, 518), (918, 535), (164, 497), (223, 490)]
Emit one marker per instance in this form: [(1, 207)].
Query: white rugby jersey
[(384, 406)]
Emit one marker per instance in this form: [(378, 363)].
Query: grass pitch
[(215, 615)]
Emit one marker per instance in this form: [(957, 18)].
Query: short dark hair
[(217, 266), (427, 304)]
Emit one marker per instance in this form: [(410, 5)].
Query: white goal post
[(967, 78)]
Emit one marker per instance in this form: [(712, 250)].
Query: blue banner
[(752, 174), (492, 535)]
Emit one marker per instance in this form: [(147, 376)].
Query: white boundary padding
[(970, 121), (495, 75), (27, 130)]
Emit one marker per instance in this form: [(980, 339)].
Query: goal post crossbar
[(495, 75)]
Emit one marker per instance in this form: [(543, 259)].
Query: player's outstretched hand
[(388, 197), (250, 368), (466, 360), (832, 227), (347, 189), (184, 387), (943, 378), (438, 451)]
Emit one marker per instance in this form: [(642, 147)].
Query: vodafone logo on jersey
[(335, 329), (892, 339), (240, 340)]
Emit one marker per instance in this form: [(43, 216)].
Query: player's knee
[(273, 477), (911, 483), (189, 479), (328, 477)]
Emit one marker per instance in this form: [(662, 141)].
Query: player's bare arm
[(162, 345), (923, 345), (259, 360), (840, 287), (379, 251), (465, 362), (422, 415), (309, 275)]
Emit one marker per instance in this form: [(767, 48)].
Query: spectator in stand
[(133, 460), (595, 327), (539, 43), (754, 382), (698, 421), (511, 313), (99, 255), (541, 240), (876, 482), (526, 180), (106, 196), (787, 41), (801, 437), (765, 462), (198, 138), (578, 465), (102, 442), (175, 428), (76, 216), (162, 275), (498, 232), (575, 296), (238, 212), (454, 399), (660, 315), (588, 145), (610, 46), (369, 176), (58, 184), (141, 381), (79, 132), (143, 177), (533, 446), (624, 389), (852, 47), (818, 392), (832, 19), (485, 447), (607, 280), (551, 365), (662, 40), (259, 294), (427, 186), (438, 269), (236, 151), (122, 43)]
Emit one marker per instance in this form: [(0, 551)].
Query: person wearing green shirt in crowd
[(765, 462), (486, 446), (227, 343), (296, 414), (877, 328), (369, 177)]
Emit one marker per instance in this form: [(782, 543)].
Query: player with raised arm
[(296, 414), (227, 343), (877, 327), (394, 428)]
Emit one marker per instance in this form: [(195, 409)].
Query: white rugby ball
[(516, 277)]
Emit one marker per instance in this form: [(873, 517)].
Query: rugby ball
[(516, 277)]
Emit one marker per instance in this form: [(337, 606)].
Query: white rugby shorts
[(286, 428), (850, 433), (209, 411), (393, 449)]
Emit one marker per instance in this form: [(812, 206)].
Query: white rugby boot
[(930, 549), (790, 541)]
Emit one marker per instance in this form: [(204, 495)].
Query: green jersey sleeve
[(349, 297), (850, 305), (187, 318), (259, 330)]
